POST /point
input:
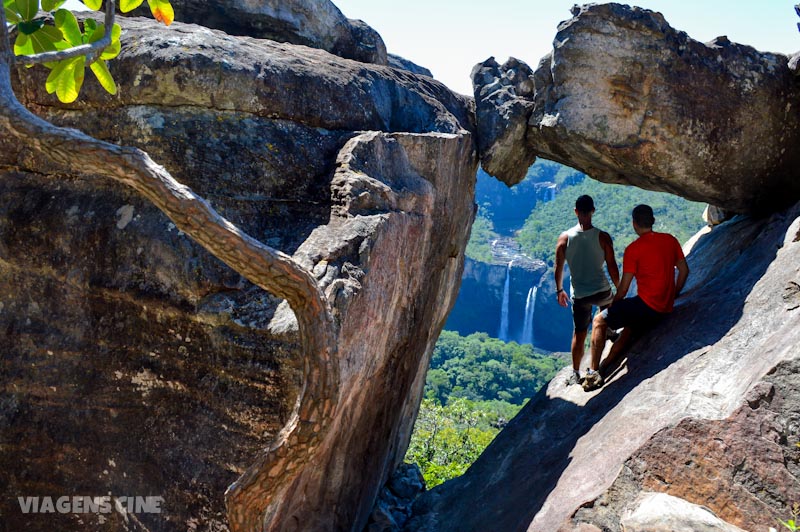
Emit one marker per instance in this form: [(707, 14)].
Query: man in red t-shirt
[(651, 259)]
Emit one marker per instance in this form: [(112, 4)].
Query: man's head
[(643, 218), (584, 205)]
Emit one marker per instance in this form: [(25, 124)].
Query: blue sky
[(450, 36)]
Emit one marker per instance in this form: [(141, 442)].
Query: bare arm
[(561, 255), (611, 262), (683, 274), (624, 285)]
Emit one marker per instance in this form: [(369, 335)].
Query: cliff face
[(134, 363), (479, 306)]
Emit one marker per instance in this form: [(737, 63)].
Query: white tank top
[(586, 257)]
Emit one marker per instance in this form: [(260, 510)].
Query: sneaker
[(574, 378), (592, 381)]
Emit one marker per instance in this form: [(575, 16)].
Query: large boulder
[(314, 23), (626, 98), (135, 363), (705, 409)]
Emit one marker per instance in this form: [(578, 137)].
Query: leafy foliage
[(447, 439), (67, 75), (793, 524), (614, 203), (475, 385), (479, 245), (481, 368)]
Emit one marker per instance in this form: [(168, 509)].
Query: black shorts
[(632, 312), (582, 308)]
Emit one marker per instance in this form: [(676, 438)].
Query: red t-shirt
[(652, 258)]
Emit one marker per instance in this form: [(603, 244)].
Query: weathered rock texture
[(672, 418), (314, 23), (745, 467), (625, 98), (134, 363)]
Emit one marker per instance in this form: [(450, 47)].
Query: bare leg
[(578, 341), (615, 353), (599, 328)]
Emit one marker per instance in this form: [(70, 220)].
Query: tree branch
[(254, 495), (91, 51)]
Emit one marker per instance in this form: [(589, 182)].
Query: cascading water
[(527, 327), (503, 334)]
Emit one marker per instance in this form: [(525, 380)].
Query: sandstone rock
[(395, 61), (743, 468), (137, 364), (714, 215), (737, 323), (393, 507), (207, 69), (503, 98), (314, 23), (714, 122), (658, 512)]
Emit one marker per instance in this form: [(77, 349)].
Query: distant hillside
[(507, 208)]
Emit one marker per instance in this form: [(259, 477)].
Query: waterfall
[(503, 334), (527, 328), (551, 193)]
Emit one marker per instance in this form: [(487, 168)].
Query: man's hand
[(563, 299)]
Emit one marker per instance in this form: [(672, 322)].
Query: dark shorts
[(632, 312), (582, 308)]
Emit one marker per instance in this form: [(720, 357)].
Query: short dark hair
[(643, 216), (584, 204)]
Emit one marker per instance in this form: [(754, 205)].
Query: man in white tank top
[(585, 249)]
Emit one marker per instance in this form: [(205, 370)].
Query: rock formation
[(314, 23), (135, 363), (705, 410), (713, 122)]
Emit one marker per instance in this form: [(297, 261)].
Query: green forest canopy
[(475, 385)]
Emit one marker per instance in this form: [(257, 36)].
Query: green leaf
[(102, 74), (51, 5), (28, 8), (93, 4), (68, 84), (45, 39), (55, 74), (23, 45), (68, 24), (129, 5), (89, 25), (113, 49), (30, 27), (12, 15)]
